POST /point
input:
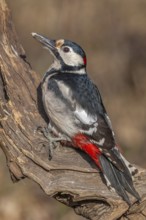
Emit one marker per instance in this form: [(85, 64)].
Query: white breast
[(58, 111)]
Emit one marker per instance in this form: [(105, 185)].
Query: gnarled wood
[(70, 176)]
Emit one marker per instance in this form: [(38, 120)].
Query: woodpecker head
[(68, 56)]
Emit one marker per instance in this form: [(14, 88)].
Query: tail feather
[(119, 180), (128, 185), (116, 175)]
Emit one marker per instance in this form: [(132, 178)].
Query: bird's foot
[(54, 141)]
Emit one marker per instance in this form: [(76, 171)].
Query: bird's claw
[(52, 147), (53, 141)]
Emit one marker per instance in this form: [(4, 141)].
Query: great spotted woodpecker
[(77, 114)]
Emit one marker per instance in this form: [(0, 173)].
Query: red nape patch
[(85, 60), (83, 142)]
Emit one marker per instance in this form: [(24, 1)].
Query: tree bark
[(70, 177)]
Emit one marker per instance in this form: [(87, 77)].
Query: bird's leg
[(53, 137)]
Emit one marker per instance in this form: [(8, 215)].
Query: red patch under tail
[(83, 142), (121, 181)]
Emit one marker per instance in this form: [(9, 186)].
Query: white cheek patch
[(71, 58)]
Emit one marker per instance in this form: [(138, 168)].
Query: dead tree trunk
[(70, 177)]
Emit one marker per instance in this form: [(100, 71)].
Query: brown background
[(113, 34)]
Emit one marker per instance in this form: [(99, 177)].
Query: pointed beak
[(49, 44)]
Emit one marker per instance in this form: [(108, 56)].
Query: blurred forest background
[(113, 34)]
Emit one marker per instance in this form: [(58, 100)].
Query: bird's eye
[(66, 49)]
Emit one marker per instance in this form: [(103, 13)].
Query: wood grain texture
[(70, 177)]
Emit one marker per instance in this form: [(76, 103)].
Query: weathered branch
[(70, 176)]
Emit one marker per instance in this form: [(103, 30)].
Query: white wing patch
[(80, 115), (79, 112), (84, 117)]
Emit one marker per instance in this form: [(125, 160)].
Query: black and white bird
[(76, 113)]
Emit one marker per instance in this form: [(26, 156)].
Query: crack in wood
[(4, 85)]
